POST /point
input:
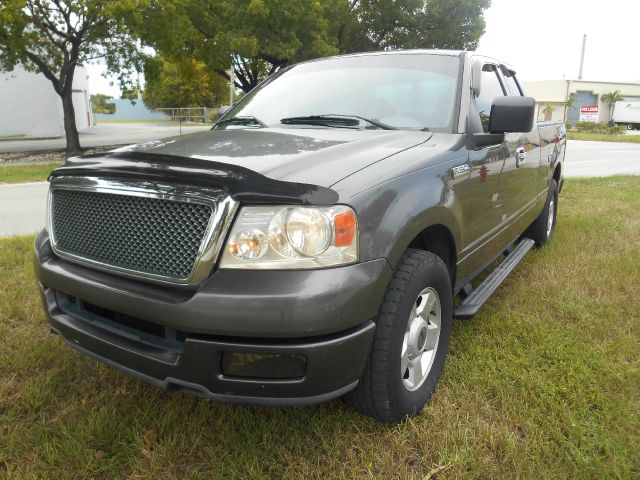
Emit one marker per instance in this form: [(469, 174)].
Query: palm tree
[(548, 111), (569, 103), (611, 98)]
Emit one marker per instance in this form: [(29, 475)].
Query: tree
[(548, 111), (568, 104), (366, 25), (54, 37), (611, 98), (183, 83), (131, 93), (260, 36), (255, 36), (100, 105)]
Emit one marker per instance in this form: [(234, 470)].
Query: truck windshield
[(398, 91)]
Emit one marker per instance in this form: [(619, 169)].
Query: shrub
[(600, 127)]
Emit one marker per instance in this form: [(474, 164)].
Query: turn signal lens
[(248, 245), (344, 226)]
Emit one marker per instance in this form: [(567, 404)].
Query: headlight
[(292, 237)]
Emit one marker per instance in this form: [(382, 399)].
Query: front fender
[(393, 214)]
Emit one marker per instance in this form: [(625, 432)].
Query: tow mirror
[(476, 77), (512, 114)]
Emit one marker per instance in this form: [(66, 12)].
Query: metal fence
[(189, 114)]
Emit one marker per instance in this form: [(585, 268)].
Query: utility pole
[(584, 46), (231, 84)]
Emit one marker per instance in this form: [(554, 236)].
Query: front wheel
[(411, 341)]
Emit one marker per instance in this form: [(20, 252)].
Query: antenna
[(584, 46)]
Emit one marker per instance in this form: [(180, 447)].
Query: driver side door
[(484, 205)]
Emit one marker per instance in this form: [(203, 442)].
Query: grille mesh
[(146, 235)]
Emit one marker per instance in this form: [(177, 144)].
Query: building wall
[(30, 106), (557, 91), (130, 110)]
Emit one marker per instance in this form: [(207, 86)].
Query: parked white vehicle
[(627, 114)]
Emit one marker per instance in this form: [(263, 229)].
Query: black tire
[(539, 230), (631, 126), (381, 392)]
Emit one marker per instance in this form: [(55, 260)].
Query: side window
[(512, 84), (490, 89)]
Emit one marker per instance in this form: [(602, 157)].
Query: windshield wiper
[(334, 120), (243, 120)]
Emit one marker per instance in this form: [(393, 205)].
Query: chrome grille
[(165, 232), (147, 235)]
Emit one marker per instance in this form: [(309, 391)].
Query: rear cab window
[(512, 84)]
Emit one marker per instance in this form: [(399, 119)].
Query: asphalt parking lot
[(22, 206)]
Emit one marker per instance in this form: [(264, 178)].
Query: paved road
[(601, 159), (22, 206), (104, 134)]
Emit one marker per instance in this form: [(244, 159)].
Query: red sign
[(589, 113)]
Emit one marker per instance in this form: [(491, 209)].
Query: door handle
[(521, 156)]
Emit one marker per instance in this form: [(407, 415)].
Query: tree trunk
[(70, 129)]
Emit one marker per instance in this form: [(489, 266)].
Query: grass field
[(37, 172), (601, 137), (11, 137), (544, 384)]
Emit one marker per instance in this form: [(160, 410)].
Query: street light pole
[(584, 46)]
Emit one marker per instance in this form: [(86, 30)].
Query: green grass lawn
[(11, 137), (544, 384), (36, 172), (601, 137)]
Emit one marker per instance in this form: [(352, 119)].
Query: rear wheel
[(411, 341), (542, 229)]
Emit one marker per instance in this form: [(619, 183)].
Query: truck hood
[(301, 155)]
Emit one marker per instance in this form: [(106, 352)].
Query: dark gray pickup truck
[(311, 244)]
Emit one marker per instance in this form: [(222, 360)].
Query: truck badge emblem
[(460, 169)]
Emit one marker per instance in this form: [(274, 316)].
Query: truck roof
[(449, 53), (443, 52)]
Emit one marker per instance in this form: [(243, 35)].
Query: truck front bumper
[(292, 338)]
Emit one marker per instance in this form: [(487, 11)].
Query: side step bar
[(478, 297)]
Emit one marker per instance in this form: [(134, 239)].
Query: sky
[(541, 39)]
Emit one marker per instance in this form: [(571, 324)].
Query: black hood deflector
[(242, 184)]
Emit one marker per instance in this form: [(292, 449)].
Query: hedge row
[(601, 127)]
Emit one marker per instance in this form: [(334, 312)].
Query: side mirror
[(512, 114), (222, 110)]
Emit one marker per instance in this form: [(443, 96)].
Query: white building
[(550, 94), (30, 106)]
